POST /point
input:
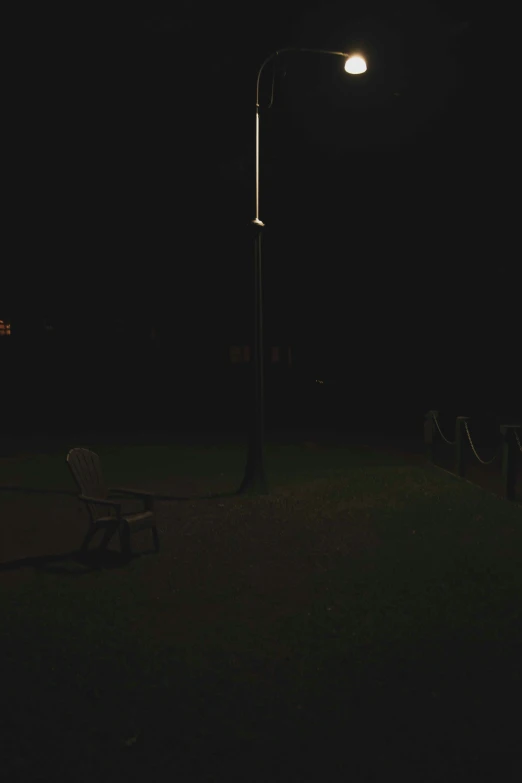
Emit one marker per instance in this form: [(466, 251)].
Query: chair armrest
[(147, 497), (117, 504)]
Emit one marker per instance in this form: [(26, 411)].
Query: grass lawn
[(362, 622)]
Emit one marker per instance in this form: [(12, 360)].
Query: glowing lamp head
[(355, 64)]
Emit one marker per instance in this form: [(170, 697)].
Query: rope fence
[(508, 451)]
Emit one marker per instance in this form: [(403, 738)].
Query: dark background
[(390, 260)]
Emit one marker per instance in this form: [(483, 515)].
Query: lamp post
[(254, 479)]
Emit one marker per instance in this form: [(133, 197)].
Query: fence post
[(460, 467), (429, 434), (509, 459)]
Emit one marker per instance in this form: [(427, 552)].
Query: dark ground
[(361, 622)]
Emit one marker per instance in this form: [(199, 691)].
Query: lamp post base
[(254, 481)]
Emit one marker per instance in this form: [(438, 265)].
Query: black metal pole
[(429, 434), (509, 460), (460, 462), (254, 479)]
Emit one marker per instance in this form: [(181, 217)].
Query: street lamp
[(254, 478)]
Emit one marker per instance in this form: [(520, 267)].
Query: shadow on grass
[(37, 490), (157, 496), (211, 496), (78, 563), (75, 563)]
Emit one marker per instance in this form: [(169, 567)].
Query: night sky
[(388, 233)]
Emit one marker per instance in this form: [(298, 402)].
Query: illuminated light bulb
[(355, 64)]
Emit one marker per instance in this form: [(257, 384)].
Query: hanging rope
[(484, 462), (449, 442)]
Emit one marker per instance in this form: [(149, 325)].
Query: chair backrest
[(85, 467)]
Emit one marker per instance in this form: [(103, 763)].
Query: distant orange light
[(5, 328)]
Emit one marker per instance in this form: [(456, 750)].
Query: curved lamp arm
[(292, 49), (256, 220)]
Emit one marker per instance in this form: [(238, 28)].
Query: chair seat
[(136, 521), (139, 521), (110, 519)]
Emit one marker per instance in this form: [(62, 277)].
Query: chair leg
[(155, 538), (110, 530), (125, 538), (88, 538)]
